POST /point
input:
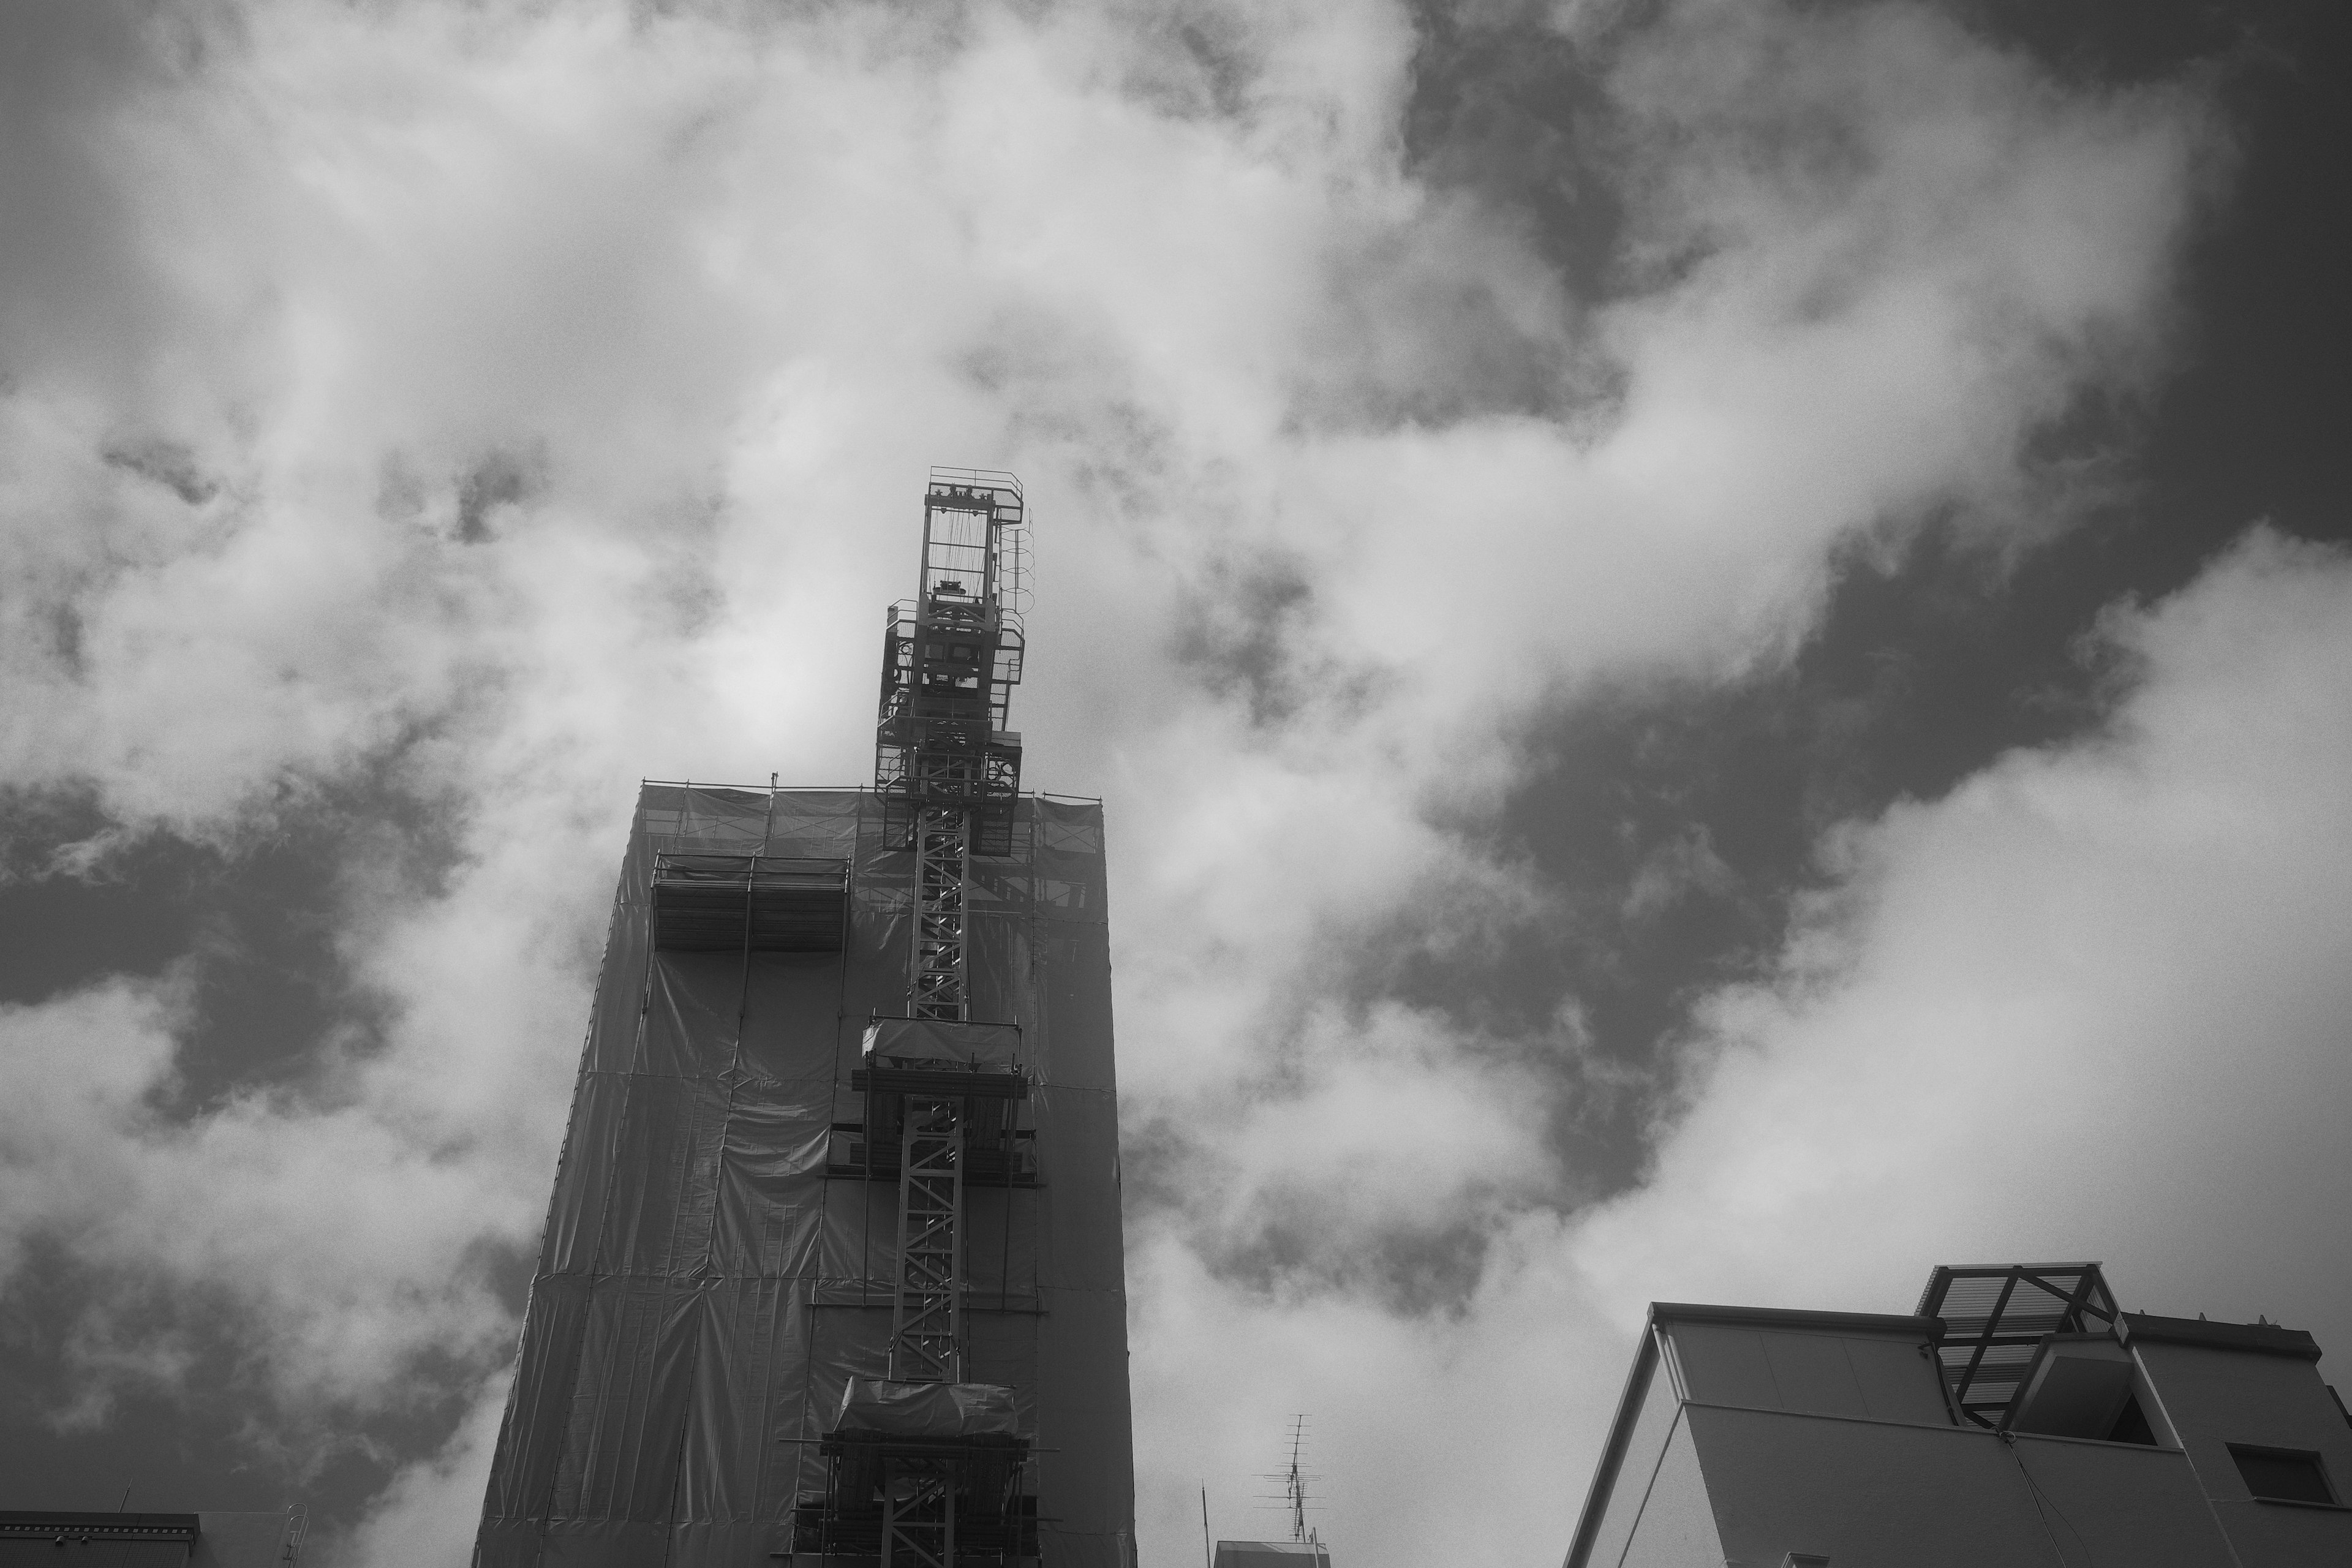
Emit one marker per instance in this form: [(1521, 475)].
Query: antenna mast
[(1294, 1483)]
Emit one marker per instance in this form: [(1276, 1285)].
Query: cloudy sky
[(1716, 633)]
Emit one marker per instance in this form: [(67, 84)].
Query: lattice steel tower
[(946, 769), (947, 772)]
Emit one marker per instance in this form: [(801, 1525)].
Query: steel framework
[(922, 1503), (946, 769), (1995, 1315), (919, 1512), (942, 867), (946, 766), (926, 1326)]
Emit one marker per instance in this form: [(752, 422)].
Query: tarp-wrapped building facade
[(719, 1259)]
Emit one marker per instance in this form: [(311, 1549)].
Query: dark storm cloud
[(85, 302), (2112, 936), (1521, 114), (168, 463), (499, 479), (1678, 822), (1934, 659), (1242, 631)]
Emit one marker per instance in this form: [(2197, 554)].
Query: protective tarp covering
[(878, 1406), (913, 1041), (717, 1267)]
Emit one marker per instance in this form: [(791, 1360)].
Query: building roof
[(1996, 1314), (1637, 1381), (24, 1524), (2263, 1339), (1270, 1553), (1797, 1317)]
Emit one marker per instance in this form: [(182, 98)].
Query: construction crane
[(946, 769), (946, 773)]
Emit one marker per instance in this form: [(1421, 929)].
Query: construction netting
[(880, 1407), (926, 1041), (718, 1266)]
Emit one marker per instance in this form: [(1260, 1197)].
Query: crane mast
[(946, 773), (946, 766), (946, 769)]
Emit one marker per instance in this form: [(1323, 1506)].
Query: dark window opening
[(2282, 1475), (2131, 1425)]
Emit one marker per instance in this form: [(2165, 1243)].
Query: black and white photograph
[(1113, 784)]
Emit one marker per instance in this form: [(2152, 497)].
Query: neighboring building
[(2017, 1418), (53, 1538), (1272, 1554), (832, 1272)]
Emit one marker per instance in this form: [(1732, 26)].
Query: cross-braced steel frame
[(948, 771), (1995, 1316), (947, 777), (945, 765), (942, 868), (918, 1513), (926, 1315), (921, 1503)]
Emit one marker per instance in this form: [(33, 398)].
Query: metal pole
[(1208, 1558)]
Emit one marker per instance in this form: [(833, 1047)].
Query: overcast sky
[(1715, 633)]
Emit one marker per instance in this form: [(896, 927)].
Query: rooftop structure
[(2017, 1417), (1272, 1554), (1304, 1549), (206, 1539), (833, 1273)]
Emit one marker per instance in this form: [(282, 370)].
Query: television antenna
[(1295, 1479)]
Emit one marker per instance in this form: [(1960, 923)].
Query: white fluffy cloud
[(2095, 1003), (498, 406), (328, 1223)]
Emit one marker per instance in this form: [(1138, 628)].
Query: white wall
[(1879, 1377), (1878, 1495), (2216, 1397)]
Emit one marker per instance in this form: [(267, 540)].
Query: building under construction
[(832, 1272)]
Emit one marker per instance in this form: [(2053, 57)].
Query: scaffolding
[(927, 1475), (947, 764)]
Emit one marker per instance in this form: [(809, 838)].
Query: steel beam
[(927, 1312)]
